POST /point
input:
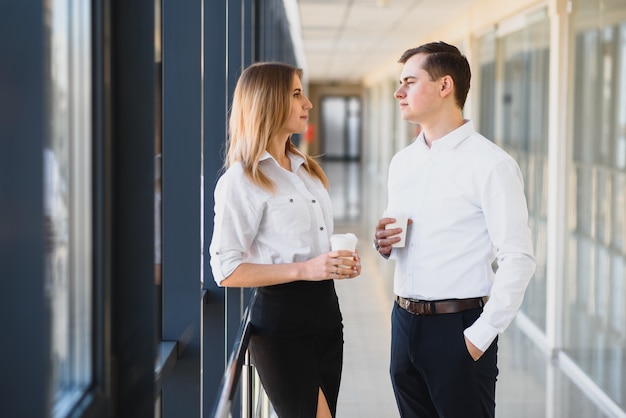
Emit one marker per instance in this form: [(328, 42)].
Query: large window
[(515, 112), (68, 198), (595, 288), (487, 81)]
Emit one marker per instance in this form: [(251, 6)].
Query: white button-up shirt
[(465, 196), (252, 225)]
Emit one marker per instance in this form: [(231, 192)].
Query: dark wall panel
[(24, 307), (181, 197), (133, 325)]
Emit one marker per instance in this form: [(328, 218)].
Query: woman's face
[(299, 113)]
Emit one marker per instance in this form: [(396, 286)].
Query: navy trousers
[(433, 374)]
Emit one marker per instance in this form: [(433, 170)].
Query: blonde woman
[(273, 222)]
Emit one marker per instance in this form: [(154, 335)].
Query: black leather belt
[(435, 307)]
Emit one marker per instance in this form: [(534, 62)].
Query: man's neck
[(441, 127)]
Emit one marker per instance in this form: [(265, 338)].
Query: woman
[(273, 222)]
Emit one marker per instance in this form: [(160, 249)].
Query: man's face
[(419, 96)]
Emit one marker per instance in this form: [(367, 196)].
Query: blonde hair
[(261, 106)]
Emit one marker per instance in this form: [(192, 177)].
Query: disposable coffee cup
[(344, 242), (402, 220)]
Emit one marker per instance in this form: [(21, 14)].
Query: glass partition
[(595, 289), (522, 130)]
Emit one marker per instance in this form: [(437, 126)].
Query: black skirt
[(297, 345)]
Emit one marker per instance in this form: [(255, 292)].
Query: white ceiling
[(347, 39)]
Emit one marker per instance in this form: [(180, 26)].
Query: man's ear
[(447, 85)]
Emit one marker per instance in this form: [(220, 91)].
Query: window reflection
[(67, 185)]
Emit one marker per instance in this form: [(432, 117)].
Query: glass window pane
[(522, 129), (487, 74), (595, 317), (601, 204), (618, 211), (620, 108), (618, 295), (68, 197)]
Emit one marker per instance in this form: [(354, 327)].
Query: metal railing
[(239, 370)]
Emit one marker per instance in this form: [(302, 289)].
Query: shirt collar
[(296, 160), (453, 138)]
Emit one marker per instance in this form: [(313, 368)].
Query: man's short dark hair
[(444, 59)]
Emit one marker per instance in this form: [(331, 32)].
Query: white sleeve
[(236, 222), (506, 214)]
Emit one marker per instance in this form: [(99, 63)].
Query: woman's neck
[(278, 150)]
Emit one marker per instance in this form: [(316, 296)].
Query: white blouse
[(252, 225)]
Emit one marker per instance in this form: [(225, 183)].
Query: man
[(465, 200)]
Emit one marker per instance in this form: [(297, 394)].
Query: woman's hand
[(342, 264)]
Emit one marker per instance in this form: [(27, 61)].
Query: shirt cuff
[(481, 334), (223, 263)]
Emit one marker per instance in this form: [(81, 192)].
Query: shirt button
[(291, 200), (321, 228), (313, 201)]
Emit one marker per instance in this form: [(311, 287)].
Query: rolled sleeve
[(223, 263)]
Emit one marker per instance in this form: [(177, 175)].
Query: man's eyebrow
[(405, 79)]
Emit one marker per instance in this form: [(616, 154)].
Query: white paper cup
[(344, 242), (402, 220)]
